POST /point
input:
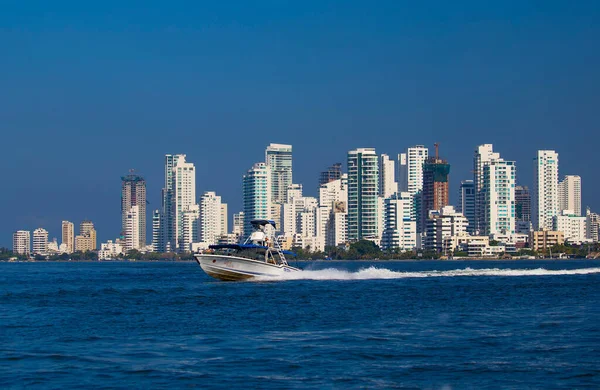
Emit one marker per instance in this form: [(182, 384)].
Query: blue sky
[(90, 90)]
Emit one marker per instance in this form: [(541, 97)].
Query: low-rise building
[(543, 240), (110, 250)]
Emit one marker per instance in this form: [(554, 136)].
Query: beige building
[(543, 240), (86, 240), (68, 236)]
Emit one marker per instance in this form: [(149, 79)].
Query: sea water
[(434, 325)]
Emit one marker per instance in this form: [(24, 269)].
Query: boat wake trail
[(384, 273)]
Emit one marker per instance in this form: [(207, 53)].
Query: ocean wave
[(384, 273)]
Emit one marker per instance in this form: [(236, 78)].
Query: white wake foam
[(384, 273)]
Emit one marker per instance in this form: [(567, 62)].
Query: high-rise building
[(86, 240), (400, 231), (332, 214), (410, 169), (499, 197), (68, 236), (178, 197), (133, 193), (167, 222), (224, 219), (545, 202), (238, 224), (592, 225), (278, 157), (22, 242), (569, 195), (256, 189), (40, 241), (189, 228), (483, 155), (157, 237), (210, 223), (363, 195), (387, 177), (132, 229), (466, 203), (522, 203), (435, 193), (332, 173)]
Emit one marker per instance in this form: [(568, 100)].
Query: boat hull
[(233, 268)]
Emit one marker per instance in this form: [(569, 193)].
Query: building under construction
[(435, 193)]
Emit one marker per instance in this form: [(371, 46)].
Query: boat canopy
[(263, 222), (238, 247)]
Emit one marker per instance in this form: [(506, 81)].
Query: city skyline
[(218, 83), (177, 168)]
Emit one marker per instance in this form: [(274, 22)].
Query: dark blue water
[(168, 325)]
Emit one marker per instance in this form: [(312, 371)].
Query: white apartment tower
[(400, 230), (278, 158), (189, 227), (238, 224), (498, 195), (363, 195), (256, 189), (387, 177), (210, 224), (332, 212), (179, 196), (40, 241), (157, 237), (544, 199), (22, 242), (410, 169), (68, 236), (132, 229), (569, 195), (483, 155)]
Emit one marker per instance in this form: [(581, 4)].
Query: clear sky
[(89, 90)]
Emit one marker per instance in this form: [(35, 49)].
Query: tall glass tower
[(363, 194), (256, 188)]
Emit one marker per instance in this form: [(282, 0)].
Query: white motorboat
[(259, 256)]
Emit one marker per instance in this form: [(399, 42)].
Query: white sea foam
[(384, 273)]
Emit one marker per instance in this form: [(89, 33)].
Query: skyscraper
[(157, 236), (332, 173), (522, 203), (133, 193), (278, 157), (483, 155), (410, 169), (68, 236), (210, 224), (545, 202), (256, 189), (435, 186), (22, 242), (387, 177), (569, 194), (499, 197), (466, 203), (363, 190), (40, 241)]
